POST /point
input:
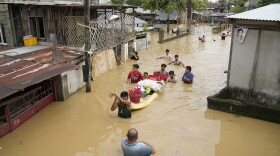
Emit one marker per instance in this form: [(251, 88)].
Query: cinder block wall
[(6, 21)]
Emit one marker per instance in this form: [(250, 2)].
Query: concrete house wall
[(243, 59), (5, 20), (268, 65), (263, 56)]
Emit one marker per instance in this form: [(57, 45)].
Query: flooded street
[(177, 123)]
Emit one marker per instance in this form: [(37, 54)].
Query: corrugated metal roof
[(17, 73), (139, 21), (267, 13)]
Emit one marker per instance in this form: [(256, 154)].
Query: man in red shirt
[(134, 76)]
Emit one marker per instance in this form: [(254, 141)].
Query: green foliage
[(167, 6), (134, 2), (199, 4), (237, 9), (145, 27), (238, 6), (267, 2), (117, 1)]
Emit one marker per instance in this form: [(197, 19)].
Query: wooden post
[(189, 15), (87, 45), (161, 35)]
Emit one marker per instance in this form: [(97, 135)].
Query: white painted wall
[(124, 52), (243, 59), (268, 65), (74, 80), (143, 43)]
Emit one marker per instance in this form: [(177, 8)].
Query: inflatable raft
[(158, 86), (144, 102)]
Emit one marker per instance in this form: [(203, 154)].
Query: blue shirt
[(189, 76), (135, 149)]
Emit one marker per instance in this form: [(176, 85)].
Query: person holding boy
[(134, 76), (166, 56), (121, 102), (188, 75), (177, 62), (171, 77)]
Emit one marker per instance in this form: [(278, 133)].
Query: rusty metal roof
[(267, 13), (17, 73)]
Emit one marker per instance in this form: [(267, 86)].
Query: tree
[(267, 2), (117, 1), (167, 6), (199, 4), (238, 6), (134, 2)]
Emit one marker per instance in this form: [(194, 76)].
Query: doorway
[(37, 27)]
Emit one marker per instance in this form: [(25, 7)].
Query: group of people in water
[(130, 145), (134, 76), (223, 37)]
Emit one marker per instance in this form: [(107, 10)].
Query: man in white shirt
[(166, 56)]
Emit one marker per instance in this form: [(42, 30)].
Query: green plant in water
[(145, 27)]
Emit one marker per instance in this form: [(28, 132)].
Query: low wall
[(239, 101), (70, 82), (103, 62)]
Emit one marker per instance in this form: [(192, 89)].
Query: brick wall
[(5, 20)]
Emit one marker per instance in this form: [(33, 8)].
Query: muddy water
[(177, 123)]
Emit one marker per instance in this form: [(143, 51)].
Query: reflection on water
[(176, 123)]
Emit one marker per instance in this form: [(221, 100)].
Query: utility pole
[(189, 15), (87, 46)]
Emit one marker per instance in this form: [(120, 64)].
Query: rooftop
[(267, 13), (19, 72)]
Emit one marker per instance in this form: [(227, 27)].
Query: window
[(2, 35), (37, 23)]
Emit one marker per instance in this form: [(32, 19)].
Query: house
[(253, 82), (51, 21), (143, 34), (142, 14), (31, 77), (214, 12)]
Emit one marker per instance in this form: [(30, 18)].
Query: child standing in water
[(171, 77), (146, 75)]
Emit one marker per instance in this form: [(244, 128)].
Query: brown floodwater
[(177, 123)]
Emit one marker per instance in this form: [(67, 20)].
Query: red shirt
[(135, 76)]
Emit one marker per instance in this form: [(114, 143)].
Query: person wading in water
[(132, 147), (123, 105)]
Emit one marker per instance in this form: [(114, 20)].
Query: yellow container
[(30, 41)]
